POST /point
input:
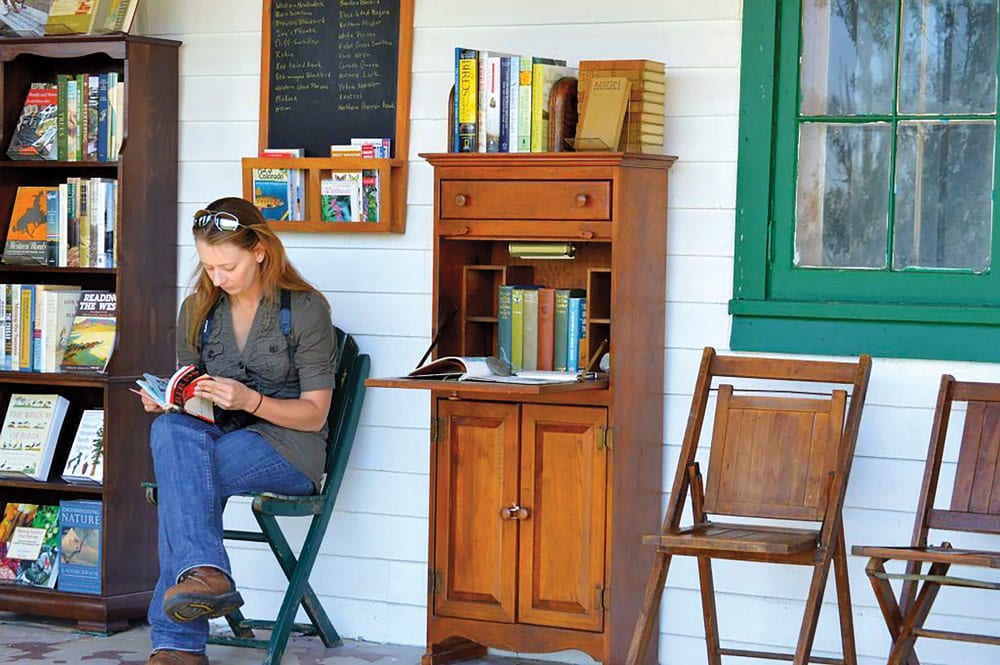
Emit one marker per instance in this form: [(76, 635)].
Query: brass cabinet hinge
[(605, 438), (602, 598)]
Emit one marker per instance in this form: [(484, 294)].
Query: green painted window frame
[(934, 315)]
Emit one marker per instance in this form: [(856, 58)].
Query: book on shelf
[(71, 17), (560, 326), (27, 232), (80, 524), (30, 433), (370, 197), (543, 77), (466, 126), (576, 333), (176, 392), (603, 115), (373, 148), (546, 328), (55, 307), (91, 338), (115, 16), (488, 368), (529, 329), (281, 153), (37, 132), (340, 197), (488, 101), (271, 193), (525, 97), (85, 462), (29, 544)]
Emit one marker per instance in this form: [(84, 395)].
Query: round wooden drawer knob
[(461, 200), (581, 200)]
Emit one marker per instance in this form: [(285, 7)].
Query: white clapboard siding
[(371, 573)]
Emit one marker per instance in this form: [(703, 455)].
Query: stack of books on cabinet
[(501, 100), (643, 128)]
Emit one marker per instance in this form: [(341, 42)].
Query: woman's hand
[(228, 394), (148, 403)]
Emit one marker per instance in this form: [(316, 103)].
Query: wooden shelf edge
[(485, 387)]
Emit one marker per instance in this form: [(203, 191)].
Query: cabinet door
[(564, 489), (475, 549)]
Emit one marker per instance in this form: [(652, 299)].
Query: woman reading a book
[(271, 379)]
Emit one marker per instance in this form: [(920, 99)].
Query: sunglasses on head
[(224, 221)]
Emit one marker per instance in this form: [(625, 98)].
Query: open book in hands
[(488, 368), (176, 393)]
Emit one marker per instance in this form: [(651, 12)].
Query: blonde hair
[(276, 272)]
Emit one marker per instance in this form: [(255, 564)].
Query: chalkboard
[(335, 69)]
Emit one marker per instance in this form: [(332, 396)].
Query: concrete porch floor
[(28, 640)]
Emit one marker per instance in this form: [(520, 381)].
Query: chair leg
[(708, 610), (650, 607), (810, 617), (235, 620), (887, 602), (848, 647), (916, 614), (298, 592)]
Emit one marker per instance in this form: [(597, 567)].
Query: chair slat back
[(345, 409), (773, 456), (977, 478)]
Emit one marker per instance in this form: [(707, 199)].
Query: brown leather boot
[(176, 658), (201, 592)]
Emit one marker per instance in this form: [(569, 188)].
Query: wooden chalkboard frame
[(404, 47)]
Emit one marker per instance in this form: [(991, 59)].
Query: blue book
[(52, 227), (560, 328), (79, 546), (102, 117), (576, 316)]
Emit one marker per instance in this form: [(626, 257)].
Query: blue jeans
[(197, 468)]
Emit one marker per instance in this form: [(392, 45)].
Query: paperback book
[(340, 197), (27, 233), (176, 393), (80, 546), (30, 433), (36, 134), (30, 555), (271, 193), (92, 338), (85, 462), (487, 368)]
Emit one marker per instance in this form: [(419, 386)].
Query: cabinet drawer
[(526, 199)]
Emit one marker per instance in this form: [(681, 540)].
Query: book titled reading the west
[(176, 393), (85, 462), (30, 433), (487, 368), (92, 337), (80, 546)]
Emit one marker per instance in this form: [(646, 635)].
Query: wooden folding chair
[(345, 412), (776, 454), (974, 508)]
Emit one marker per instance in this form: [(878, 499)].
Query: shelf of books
[(328, 194), (88, 182)]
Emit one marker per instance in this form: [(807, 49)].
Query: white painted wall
[(371, 574)]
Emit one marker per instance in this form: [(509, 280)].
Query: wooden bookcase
[(145, 281), (540, 495)]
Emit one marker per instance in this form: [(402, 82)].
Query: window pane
[(847, 56), (949, 56), (841, 203), (944, 179)]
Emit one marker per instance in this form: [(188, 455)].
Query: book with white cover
[(85, 462), (30, 433)]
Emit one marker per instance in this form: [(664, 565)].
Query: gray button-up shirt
[(264, 365)]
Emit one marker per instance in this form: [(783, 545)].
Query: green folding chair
[(345, 411)]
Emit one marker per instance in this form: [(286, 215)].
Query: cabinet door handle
[(514, 512), (581, 200), (461, 200)]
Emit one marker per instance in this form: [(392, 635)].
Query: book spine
[(539, 131), (15, 327), (574, 332), (62, 82), (4, 327), (90, 153), (482, 99), (524, 105), (102, 117), (10, 290), (493, 104), (27, 327), (466, 99), (560, 329), (83, 212), (546, 325), (62, 213), (516, 328), (504, 94), (504, 336), (52, 227), (529, 348), (38, 323)]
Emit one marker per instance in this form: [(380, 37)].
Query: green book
[(504, 330), (529, 328), (516, 327), (62, 82), (561, 326)]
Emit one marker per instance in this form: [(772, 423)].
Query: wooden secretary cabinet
[(540, 495)]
